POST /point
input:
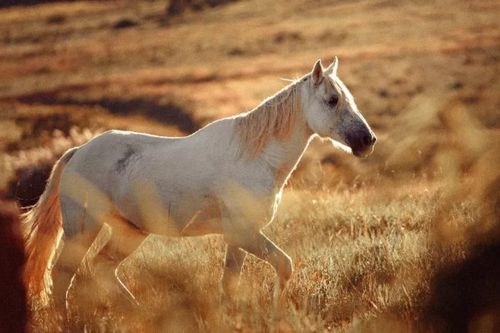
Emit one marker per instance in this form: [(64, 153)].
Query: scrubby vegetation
[(379, 245)]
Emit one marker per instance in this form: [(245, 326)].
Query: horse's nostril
[(367, 140)]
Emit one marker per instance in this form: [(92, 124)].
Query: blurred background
[(375, 241)]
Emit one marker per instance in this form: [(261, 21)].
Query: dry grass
[(368, 237)]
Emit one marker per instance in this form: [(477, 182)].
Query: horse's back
[(112, 150), (122, 168)]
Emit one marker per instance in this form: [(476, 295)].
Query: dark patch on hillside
[(29, 185), (163, 112), (465, 297), (177, 7), (467, 294), (155, 108), (9, 3), (124, 23)]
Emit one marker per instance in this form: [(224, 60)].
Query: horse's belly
[(175, 215), (198, 215), (206, 220)]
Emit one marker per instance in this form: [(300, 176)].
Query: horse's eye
[(333, 101)]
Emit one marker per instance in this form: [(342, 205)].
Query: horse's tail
[(44, 224)]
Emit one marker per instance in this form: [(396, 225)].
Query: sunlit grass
[(352, 261), (367, 237)]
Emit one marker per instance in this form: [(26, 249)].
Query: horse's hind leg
[(80, 230), (71, 256), (124, 240)]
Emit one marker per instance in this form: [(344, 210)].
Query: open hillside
[(372, 239)]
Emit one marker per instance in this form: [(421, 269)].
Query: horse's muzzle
[(362, 144)]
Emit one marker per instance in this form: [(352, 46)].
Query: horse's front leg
[(263, 248), (232, 269), (241, 228)]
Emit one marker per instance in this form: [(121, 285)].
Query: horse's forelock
[(339, 87)]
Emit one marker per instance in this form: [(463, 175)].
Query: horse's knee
[(123, 288), (116, 275)]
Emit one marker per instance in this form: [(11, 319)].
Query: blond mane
[(273, 118)]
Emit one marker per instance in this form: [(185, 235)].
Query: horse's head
[(330, 110)]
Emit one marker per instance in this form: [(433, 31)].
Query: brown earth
[(367, 236)]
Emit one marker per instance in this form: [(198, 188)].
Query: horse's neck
[(282, 155)]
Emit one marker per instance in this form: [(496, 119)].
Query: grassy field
[(370, 238)]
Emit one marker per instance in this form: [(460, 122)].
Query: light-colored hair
[(339, 89), (273, 118)]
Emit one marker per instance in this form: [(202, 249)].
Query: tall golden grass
[(379, 245), (367, 252)]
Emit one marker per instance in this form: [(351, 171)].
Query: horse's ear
[(317, 72), (332, 69)]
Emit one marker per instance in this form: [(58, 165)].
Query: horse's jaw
[(358, 153), (341, 146)]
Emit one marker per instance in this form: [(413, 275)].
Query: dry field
[(384, 244)]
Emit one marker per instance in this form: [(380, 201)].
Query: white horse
[(226, 178)]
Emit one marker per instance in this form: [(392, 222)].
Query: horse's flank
[(273, 118)]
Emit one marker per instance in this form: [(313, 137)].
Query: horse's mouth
[(363, 152), (361, 143)]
